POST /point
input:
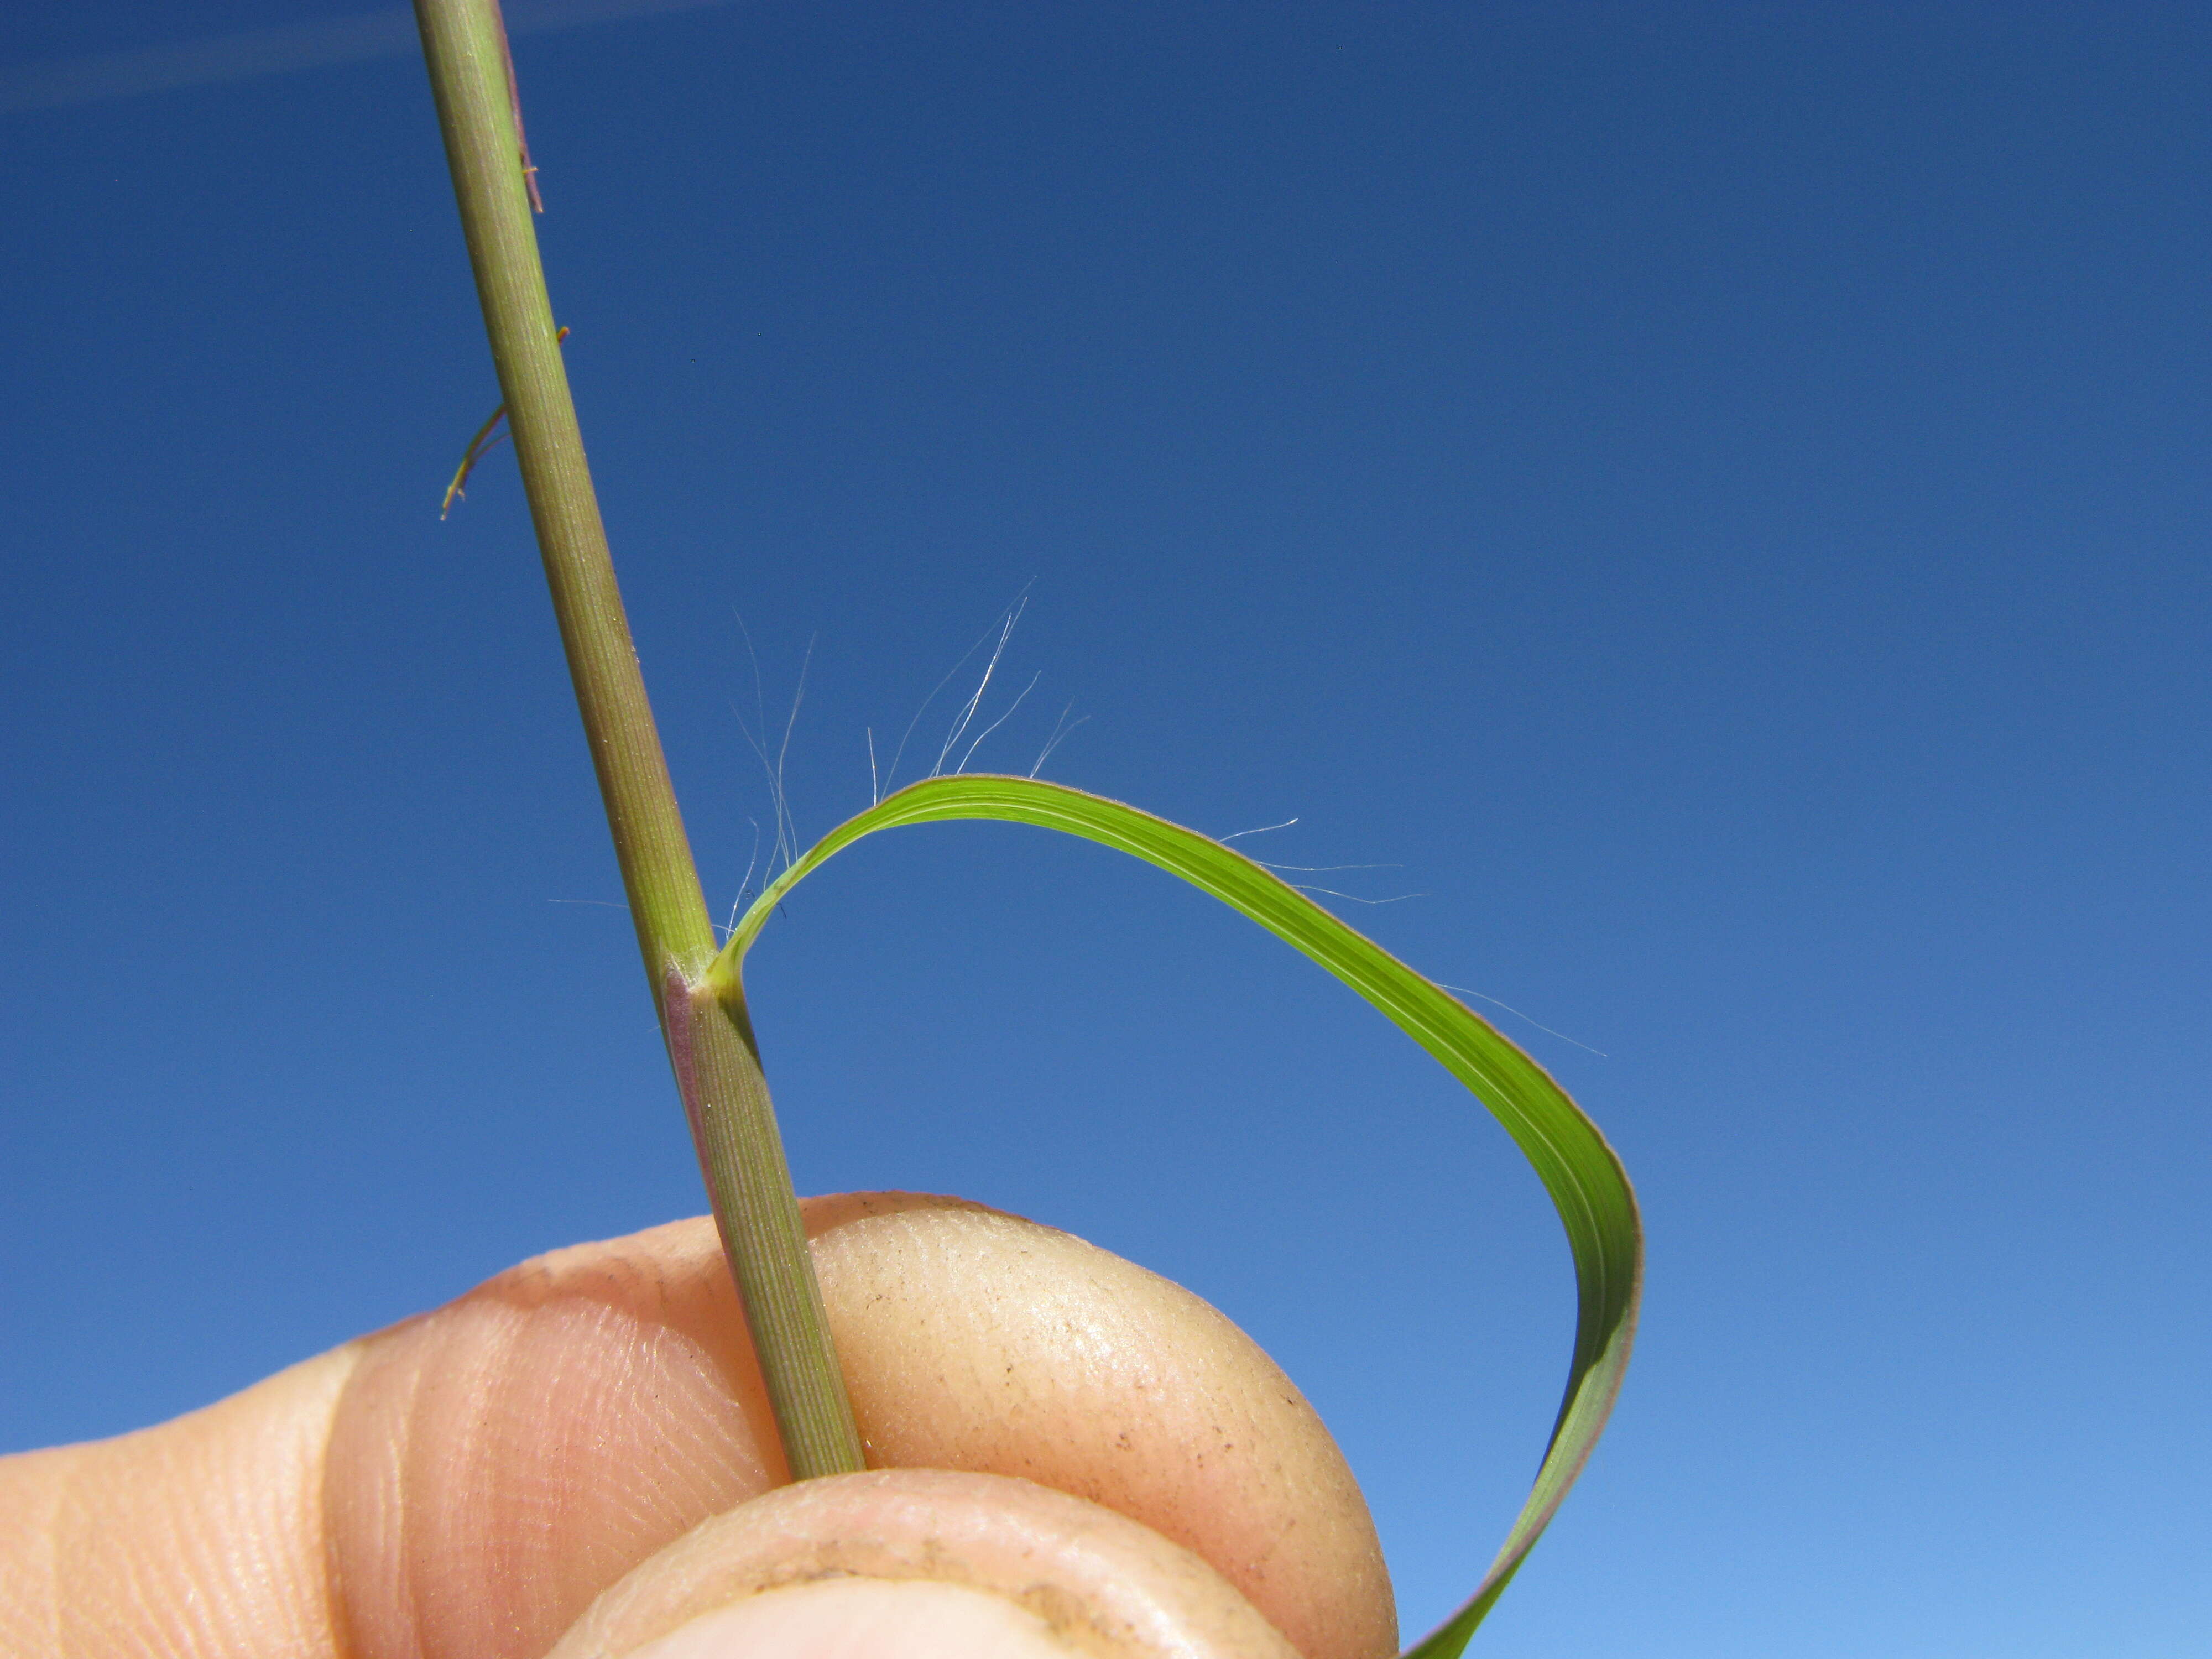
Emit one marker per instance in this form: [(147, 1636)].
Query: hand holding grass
[(593, 1425), (468, 1482)]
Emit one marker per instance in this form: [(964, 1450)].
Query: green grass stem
[(710, 1036)]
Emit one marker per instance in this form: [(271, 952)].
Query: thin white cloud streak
[(278, 50)]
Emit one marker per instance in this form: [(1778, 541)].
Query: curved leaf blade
[(1579, 1171)]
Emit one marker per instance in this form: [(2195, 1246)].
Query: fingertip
[(974, 1339)]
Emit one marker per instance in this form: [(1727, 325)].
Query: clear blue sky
[(1712, 499)]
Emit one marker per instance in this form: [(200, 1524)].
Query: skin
[(1067, 1455)]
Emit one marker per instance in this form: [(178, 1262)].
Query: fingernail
[(859, 1618)]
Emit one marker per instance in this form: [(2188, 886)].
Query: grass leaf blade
[(1584, 1179)]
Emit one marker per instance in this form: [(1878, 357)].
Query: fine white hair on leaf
[(999, 722), (745, 885), (786, 829), (890, 777), (875, 787), (784, 851), (1317, 870), (968, 709), (1461, 990), (1354, 898), (1059, 730)]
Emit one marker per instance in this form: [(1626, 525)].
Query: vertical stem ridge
[(709, 1038)]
